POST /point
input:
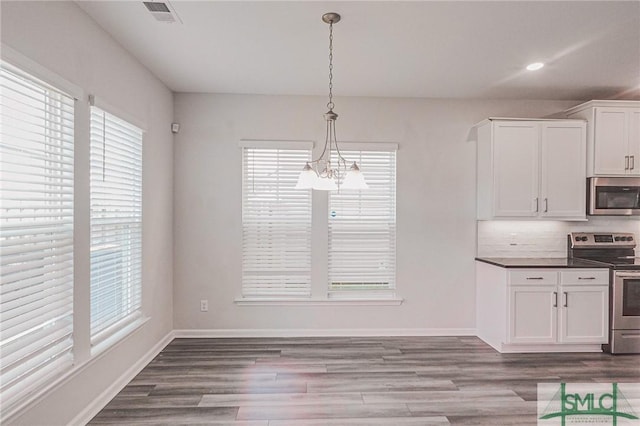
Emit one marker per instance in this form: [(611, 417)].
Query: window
[(36, 233), (116, 224), (276, 221), (362, 230)]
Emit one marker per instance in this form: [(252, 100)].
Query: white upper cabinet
[(613, 135), (563, 174), (515, 168), (531, 169), (634, 141)]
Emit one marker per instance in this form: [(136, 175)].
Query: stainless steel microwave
[(613, 196)]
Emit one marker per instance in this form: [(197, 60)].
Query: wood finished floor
[(349, 381)]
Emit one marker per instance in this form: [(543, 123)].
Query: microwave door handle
[(627, 274)]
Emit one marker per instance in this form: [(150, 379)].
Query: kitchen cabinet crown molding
[(490, 119), (603, 103)]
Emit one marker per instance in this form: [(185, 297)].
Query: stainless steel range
[(617, 252)]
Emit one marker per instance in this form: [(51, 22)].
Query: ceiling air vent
[(162, 11)]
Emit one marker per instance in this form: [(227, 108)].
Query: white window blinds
[(276, 224), (36, 233), (116, 224), (362, 230)]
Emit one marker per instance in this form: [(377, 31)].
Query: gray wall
[(62, 38), (435, 208)]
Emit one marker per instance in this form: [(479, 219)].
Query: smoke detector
[(162, 11)]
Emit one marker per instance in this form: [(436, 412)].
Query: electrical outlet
[(204, 305)]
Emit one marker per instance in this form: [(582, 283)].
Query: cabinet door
[(515, 156), (634, 141), (564, 169), (611, 136), (584, 314), (532, 314)]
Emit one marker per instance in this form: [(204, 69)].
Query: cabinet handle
[(566, 299), (555, 299), (633, 162), (535, 278), (586, 278), (626, 162), (546, 205), (536, 205)]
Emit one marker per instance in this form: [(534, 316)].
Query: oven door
[(626, 300), (614, 196)]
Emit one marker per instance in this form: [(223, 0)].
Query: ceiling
[(450, 49)]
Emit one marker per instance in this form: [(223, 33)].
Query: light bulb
[(535, 66)]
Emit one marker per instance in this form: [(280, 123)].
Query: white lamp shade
[(325, 184), (307, 178), (354, 179)]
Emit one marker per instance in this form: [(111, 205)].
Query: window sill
[(118, 336), (396, 301)]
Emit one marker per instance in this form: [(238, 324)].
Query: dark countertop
[(538, 262)]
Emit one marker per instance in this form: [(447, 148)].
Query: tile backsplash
[(542, 238)]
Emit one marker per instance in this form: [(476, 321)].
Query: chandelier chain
[(330, 104)]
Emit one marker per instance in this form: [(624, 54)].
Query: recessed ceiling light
[(535, 66)]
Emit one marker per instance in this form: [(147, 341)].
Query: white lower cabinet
[(584, 314), (532, 314), (537, 310), (563, 314)]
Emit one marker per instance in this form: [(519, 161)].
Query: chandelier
[(329, 171)]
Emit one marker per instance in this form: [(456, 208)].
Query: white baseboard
[(536, 348), (348, 332), (109, 393)]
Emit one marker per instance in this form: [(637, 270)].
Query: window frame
[(319, 278), (290, 281), (84, 356), (342, 259), (28, 70), (124, 325)]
